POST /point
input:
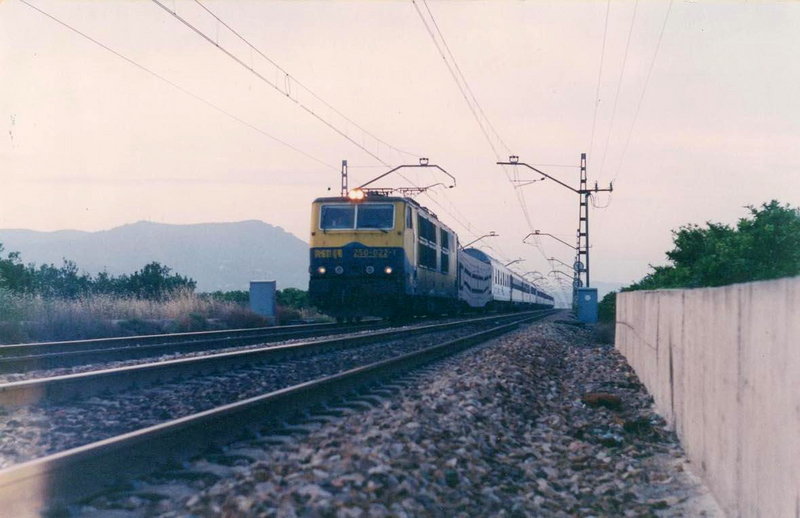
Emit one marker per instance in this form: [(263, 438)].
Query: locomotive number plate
[(372, 253), (328, 254)]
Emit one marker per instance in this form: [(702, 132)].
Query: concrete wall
[(723, 365)]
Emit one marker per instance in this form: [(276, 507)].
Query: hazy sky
[(91, 141)]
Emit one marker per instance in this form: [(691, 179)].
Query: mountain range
[(219, 256)]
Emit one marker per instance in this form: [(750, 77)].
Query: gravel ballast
[(30, 432), (541, 422)]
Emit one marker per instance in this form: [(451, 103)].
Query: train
[(374, 254)]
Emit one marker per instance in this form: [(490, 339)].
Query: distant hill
[(219, 256)]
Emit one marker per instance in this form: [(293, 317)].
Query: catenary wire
[(464, 80), (466, 92), (267, 81), (178, 87), (644, 90), (619, 86), (599, 76), (298, 83), (455, 77)]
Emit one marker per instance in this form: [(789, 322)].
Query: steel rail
[(86, 384), (89, 351), (27, 350), (30, 488)]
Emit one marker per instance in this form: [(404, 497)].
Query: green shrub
[(607, 309), (286, 315), (241, 318)]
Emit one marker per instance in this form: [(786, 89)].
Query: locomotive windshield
[(350, 216), (376, 215), (337, 217)]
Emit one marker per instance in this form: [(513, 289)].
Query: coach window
[(409, 218)]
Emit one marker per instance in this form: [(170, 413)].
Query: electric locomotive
[(373, 254)]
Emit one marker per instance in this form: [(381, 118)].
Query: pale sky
[(91, 141)]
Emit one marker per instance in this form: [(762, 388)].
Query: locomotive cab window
[(376, 215), (337, 217)]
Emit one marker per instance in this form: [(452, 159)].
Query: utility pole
[(583, 193), (583, 227), (344, 179)]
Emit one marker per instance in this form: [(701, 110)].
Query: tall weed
[(34, 318)]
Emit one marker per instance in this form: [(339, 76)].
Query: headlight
[(339, 270), (356, 195), (370, 269), (388, 270), (321, 270)]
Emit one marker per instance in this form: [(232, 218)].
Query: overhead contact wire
[(644, 90), (619, 85), (461, 75), (599, 76), (467, 93), (178, 87), (288, 75), (273, 85)]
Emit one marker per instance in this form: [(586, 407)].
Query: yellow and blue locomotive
[(380, 255)]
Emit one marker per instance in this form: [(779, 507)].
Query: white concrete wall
[(723, 366)]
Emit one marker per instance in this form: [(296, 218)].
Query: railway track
[(20, 358), (60, 388), (29, 487)]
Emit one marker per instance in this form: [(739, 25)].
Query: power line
[(644, 90), (270, 83), (472, 103), (474, 106), (619, 85), (458, 79), (599, 76), (301, 85), (178, 87), (461, 75)]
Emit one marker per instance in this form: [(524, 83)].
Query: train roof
[(479, 255)]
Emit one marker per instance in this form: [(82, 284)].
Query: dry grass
[(32, 318)]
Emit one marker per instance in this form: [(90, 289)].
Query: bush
[(190, 323), (240, 318), (286, 315), (138, 327), (764, 246), (237, 297), (607, 309), (292, 298), (12, 333)]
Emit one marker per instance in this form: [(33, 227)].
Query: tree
[(764, 246), (155, 281), (13, 274), (292, 298)]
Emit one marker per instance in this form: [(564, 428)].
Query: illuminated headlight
[(356, 195), (321, 270), (370, 269), (339, 270), (388, 270)]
